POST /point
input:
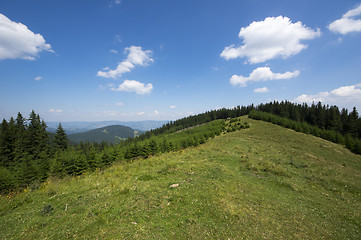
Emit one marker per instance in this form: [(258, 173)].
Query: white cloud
[(173, 107), (136, 56), (139, 57), (349, 96), (55, 111), (156, 112), (111, 113), (107, 86), (262, 74), (345, 26), (38, 78), (119, 104), (129, 115), (274, 37), (122, 68), (17, 41), (134, 86), (113, 51), (261, 90), (347, 23)]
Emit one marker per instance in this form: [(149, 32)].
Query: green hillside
[(110, 134), (262, 182)]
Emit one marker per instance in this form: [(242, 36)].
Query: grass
[(262, 182)]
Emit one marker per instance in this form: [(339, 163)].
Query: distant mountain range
[(78, 127), (110, 134)]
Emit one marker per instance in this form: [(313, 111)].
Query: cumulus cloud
[(347, 95), (347, 23), (136, 56), (261, 74), (17, 41), (274, 37), (134, 86), (113, 51), (261, 90), (173, 107), (38, 78)]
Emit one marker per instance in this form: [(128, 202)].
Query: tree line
[(194, 120), (25, 148), (323, 116), (351, 142)]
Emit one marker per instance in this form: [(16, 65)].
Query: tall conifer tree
[(60, 140)]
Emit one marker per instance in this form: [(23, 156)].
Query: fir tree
[(36, 137), (60, 139), (353, 123), (20, 135)]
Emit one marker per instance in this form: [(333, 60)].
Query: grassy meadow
[(264, 182)]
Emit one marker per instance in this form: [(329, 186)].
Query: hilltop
[(262, 182), (111, 134)]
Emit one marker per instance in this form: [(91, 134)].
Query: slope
[(263, 182), (110, 134)]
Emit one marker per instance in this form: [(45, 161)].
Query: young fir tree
[(60, 139), (20, 135), (4, 136), (33, 164), (353, 122), (37, 136), (7, 142)]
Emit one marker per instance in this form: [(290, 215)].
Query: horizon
[(165, 120), (134, 60), (111, 121)]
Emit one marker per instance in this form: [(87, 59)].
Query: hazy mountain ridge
[(110, 134), (78, 127)]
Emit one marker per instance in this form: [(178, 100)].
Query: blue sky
[(166, 59)]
